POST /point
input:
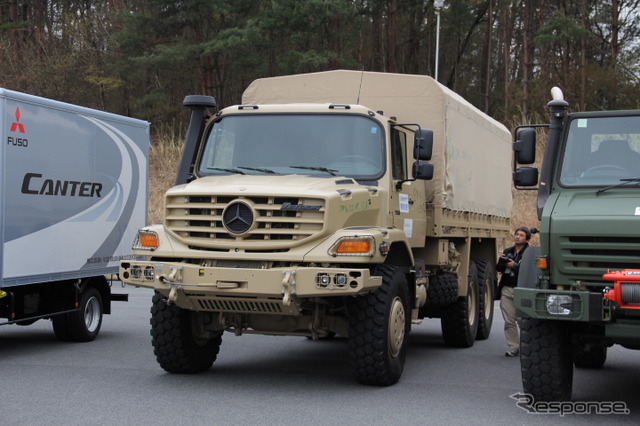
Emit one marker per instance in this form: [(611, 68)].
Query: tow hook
[(288, 284)]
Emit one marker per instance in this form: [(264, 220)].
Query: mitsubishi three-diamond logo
[(16, 126)]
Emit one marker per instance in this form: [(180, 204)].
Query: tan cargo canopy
[(472, 151)]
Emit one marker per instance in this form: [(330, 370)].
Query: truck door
[(408, 204)]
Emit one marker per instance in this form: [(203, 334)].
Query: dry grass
[(525, 213), (165, 158)]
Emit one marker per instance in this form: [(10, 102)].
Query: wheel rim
[(471, 302), (92, 314), (488, 300), (396, 327)]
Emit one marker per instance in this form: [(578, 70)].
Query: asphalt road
[(265, 380)]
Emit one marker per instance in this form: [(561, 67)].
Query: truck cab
[(589, 211)]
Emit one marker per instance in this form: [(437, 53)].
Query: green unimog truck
[(573, 304)]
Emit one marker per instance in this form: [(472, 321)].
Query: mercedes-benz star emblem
[(237, 217)]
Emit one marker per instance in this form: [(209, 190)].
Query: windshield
[(601, 151), (310, 144)]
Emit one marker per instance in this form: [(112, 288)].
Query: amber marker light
[(147, 240), (353, 246), (542, 263)]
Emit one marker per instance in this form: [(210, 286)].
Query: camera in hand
[(503, 261)]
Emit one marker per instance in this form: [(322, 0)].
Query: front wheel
[(545, 359), (175, 344), (378, 326)]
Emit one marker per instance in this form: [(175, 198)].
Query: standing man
[(509, 265)]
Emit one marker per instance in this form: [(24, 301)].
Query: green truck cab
[(589, 212)]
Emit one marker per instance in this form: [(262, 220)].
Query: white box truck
[(73, 193)]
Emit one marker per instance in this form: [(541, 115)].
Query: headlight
[(136, 271), (559, 304)]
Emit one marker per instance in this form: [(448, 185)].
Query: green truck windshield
[(311, 144), (601, 151)]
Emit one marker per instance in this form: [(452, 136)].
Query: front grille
[(242, 305), (587, 258), (261, 223)]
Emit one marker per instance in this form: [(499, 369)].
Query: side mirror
[(525, 176), (423, 145), (524, 146), (422, 170)]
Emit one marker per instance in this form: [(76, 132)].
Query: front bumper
[(574, 305), (248, 290)]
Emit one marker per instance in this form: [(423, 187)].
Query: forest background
[(141, 57)]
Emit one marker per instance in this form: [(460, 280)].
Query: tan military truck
[(303, 212)]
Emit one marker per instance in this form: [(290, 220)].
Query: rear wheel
[(545, 359), (378, 326), (443, 290), (85, 323), (175, 344), (82, 325), (485, 303), (460, 320)]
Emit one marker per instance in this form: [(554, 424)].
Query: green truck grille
[(587, 258)]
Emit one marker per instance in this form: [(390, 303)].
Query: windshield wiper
[(257, 169), (623, 182), (320, 169), (223, 169)]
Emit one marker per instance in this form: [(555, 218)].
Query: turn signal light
[(542, 263), (346, 247), (147, 240), (353, 246)]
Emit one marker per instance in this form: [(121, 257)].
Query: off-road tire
[(545, 359), (593, 356), (82, 325), (174, 345), (379, 324), (460, 320), (443, 290), (486, 290)]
